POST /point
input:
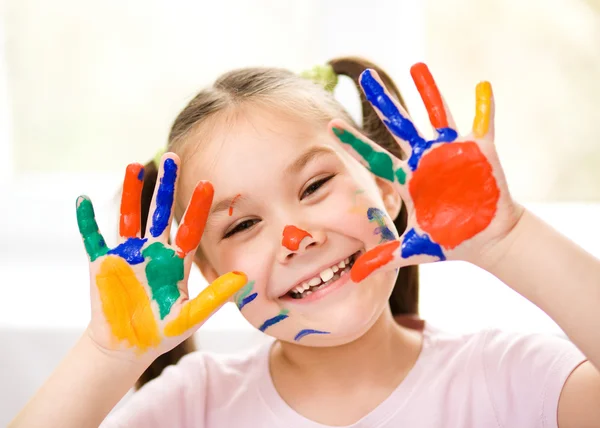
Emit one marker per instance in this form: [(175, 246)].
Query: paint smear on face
[(131, 201), (372, 260), (232, 202), (163, 271), (86, 221), (209, 300), (414, 244), (379, 217), (130, 250), (272, 321), (245, 295), (483, 109), (126, 305), (399, 125), (192, 227), (306, 332), (164, 198), (293, 236), (380, 163), (454, 193)]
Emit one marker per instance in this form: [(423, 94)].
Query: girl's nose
[(296, 241)]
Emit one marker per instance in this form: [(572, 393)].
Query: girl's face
[(291, 209)]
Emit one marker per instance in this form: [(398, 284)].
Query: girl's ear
[(206, 268), (391, 199)]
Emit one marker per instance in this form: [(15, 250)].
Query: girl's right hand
[(139, 293)]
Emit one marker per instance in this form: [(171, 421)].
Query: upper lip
[(317, 272)]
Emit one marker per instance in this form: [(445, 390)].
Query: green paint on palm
[(94, 243), (380, 163), (401, 175), (163, 271)]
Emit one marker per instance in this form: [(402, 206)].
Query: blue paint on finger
[(164, 198), (416, 245)]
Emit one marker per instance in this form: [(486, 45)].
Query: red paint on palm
[(292, 236), (372, 260), (432, 98), (454, 192), (194, 220), (131, 205)]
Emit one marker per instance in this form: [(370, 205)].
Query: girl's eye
[(315, 186), (240, 227)]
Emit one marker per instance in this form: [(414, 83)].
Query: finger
[(209, 300), (410, 249), (193, 222), (377, 160), (131, 201), (95, 246), (162, 202), (439, 114), (483, 124), (390, 112)]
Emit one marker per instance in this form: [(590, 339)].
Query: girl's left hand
[(453, 186)]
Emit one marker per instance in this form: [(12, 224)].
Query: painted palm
[(453, 186), (139, 288)]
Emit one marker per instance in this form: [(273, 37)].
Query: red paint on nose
[(292, 236)]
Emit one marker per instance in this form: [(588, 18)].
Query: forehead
[(250, 147)]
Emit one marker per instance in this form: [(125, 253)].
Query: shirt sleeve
[(525, 374), (177, 398)]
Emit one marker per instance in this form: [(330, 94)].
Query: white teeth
[(347, 261), (335, 268), (326, 275), (314, 281), (342, 265)]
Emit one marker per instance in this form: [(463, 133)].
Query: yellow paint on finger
[(126, 305), (483, 109), (200, 308)]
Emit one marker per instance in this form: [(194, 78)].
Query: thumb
[(208, 301)]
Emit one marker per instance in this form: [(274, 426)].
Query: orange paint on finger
[(430, 94), (292, 236), (192, 226), (372, 260), (232, 202), (454, 193), (210, 299), (131, 204), (483, 109), (126, 305)]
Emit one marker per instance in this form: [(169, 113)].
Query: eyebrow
[(294, 168)]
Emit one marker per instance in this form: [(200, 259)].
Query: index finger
[(192, 225)]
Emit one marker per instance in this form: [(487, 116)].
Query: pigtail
[(405, 295)]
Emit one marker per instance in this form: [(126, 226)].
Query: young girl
[(298, 206)]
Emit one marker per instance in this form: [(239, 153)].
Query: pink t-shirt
[(485, 379)]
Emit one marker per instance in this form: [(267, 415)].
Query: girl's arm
[(82, 390)]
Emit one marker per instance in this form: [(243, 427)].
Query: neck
[(385, 353)]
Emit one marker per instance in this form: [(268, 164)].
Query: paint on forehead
[(416, 245), (293, 236), (380, 163), (86, 221), (130, 250), (283, 314), (233, 202), (379, 217), (164, 198), (454, 193), (245, 295), (126, 305), (163, 271), (372, 260), (308, 331)]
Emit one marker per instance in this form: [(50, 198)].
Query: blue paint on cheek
[(246, 300), (378, 216), (415, 245), (308, 331), (271, 321), (130, 250), (164, 198)]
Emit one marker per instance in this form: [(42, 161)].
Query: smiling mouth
[(324, 279)]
